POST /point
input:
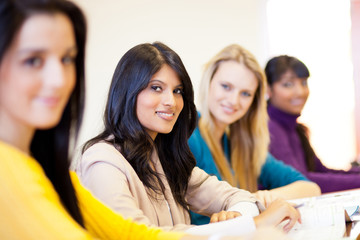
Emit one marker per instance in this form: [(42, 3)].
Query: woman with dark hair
[(42, 45), (141, 165), (288, 91)]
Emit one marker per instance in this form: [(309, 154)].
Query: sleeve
[(331, 182), (339, 180), (101, 221), (207, 195), (31, 209), (104, 173), (275, 173)]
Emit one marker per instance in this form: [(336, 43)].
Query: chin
[(48, 124), (166, 131)]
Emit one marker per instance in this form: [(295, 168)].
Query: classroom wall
[(196, 30)]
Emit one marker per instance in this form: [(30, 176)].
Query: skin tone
[(37, 76), (289, 93), (231, 93), (160, 103)]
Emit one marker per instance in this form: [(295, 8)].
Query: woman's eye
[(156, 88), (68, 60), (304, 83), (225, 86), (33, 61), (246, 94), (288, 84), (178, 91)]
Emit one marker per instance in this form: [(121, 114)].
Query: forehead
[(43, 31), (237, 74), (167, 75), (290, 75)]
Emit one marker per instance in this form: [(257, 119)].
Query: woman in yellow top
[(42, 46)]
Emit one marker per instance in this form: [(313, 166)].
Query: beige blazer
[(111, 178)]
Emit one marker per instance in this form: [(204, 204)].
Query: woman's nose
[(169, 98), (54, 73)]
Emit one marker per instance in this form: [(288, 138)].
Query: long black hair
[(124, 131), (274, 70), (51, 147)]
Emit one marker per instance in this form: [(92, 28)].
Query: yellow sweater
[(30, 208)]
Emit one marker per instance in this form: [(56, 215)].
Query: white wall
[(196, 30)]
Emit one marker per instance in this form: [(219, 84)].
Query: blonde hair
[(249, 136)]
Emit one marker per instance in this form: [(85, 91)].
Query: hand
[(265, 197), (223, 215), (278, 211)]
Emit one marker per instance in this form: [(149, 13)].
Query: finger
[(294, 217), (236, 214), (231, 215), (260, 197), (222, 216), (214, 218), (289, 225)]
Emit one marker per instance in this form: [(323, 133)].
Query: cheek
[(282, 94), (144, 103), (180, 104), (71, 78), (215, 94), (246, 105)]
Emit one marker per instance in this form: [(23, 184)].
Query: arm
[(284, 182), (31, 209), (205, 162), (298, 189), (104, 223), (331, 182), (111, 178), (207, 195)]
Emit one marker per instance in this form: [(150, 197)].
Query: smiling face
[(290, 93), (231, 93), (37, 73), (160, 103)]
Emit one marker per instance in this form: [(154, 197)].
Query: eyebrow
[(155, 80), (41, 50)]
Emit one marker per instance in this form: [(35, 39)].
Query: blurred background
[(324, 34)]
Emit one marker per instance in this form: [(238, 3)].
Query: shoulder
[(272, 163), (102, 152), (276, 166)]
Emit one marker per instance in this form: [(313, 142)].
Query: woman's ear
[(268, 93)]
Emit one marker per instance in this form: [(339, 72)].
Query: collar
[(284, 118)]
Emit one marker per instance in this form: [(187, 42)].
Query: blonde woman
[(231, 139)]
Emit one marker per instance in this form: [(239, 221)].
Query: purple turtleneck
[(286, 146)]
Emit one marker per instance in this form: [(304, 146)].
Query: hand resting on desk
[(278, 211)]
